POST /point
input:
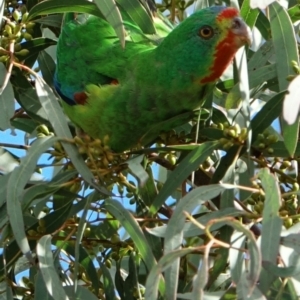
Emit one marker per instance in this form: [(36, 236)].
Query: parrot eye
[(206, 32)]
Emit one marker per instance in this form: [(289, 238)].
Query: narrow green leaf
[(291, 104), (245, 178), (272, 200), (119, 281), (105, 8), (225, 163), (220, 263), (289, 253), (273, 269), (51, 20), (136, 169), (261, 57), (207, 295), (254, 267), (218, 116), (53, 221), (246, 290), (290, 131), (2, 7), (286, 51), (108, 283), (261, 75), (190, 229), (182, 171), (226, 199), (263, 25), (47, 66), (213, 134), (112, 14), (15, 186), (7, 103), (174, 231), (132, 281), (294, 13), (280, 150), (290, 135), (92, 197), (248, 14), (46, 265), (262, 4), (292, 241), (256, 78), (40, 290), (31, 3), (9, 294), (29, 100), (138, 14), (27, 97), (3, 189), (81, 293), (8, 161), (270, 235), (149, 191), (40, 191), (26, 125), (57, 218), (200, 280), (264, 118), (57, 6), (236, 257), (132, 227), (155, 273), (35, 46), (84, 259)]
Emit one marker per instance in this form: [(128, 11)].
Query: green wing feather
[(89, 51)]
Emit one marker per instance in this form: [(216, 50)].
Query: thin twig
[(173, 10), (23, 147), (196, 140)]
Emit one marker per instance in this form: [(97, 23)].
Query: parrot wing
[(89, 51)]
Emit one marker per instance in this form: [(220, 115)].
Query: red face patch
[(228, 13), (225, 50)]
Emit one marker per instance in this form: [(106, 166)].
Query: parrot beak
[(242, 32)]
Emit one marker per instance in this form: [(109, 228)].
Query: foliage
[(128, 225)]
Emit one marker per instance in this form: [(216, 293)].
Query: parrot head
[(205, 43), (231, 33)]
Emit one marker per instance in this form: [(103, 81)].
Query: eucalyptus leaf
[(47, 270), (6, 99)]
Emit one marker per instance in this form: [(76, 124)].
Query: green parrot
[(127, 96)]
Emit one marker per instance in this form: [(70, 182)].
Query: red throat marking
[(80, 98), (223, 56), (225, 50)]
